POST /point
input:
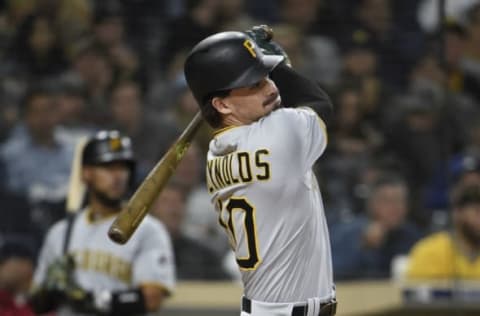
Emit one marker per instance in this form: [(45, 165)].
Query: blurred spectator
[(92, 66), (70, 97), (12, 91), (142, 16), (12, 14), (16, 270), (303, 14), (352, 143), (201, 223), (8, 115), (471, 60), (16, 216), (232, 16), (465, 171), (152, 134), (37, 49), (144, 22), (166, 88), (366, 246), (199, 21), (460, 79), (312, 55), (38, 162), (193, 260), (201, 220), (352, 135), (414, 136), (360, 64), (473, 143), (455, 10), (183, 109), (71, 18), (460, 168), (422, 129), (109, 35), (266, 11), (406, 18), (397, 49), (453, 253), (377, 167), (429, 81), (189, 172)]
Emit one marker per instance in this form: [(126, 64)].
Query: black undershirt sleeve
[(297, 90)]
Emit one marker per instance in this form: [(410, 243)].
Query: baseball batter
[(259, 171), (96, 276)]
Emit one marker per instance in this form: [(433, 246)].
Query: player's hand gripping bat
[(262, 35), (139, 204)]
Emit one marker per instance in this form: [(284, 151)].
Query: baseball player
[(269, 133), (82, 272)]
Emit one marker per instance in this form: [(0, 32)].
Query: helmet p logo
[(250, 47), (115, 144)]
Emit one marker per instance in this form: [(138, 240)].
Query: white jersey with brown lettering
[(101, 264), (261, 181)]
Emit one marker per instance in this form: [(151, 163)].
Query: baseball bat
[(76, 192), (76, 187), (139, 204)]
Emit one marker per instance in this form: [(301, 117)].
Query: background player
[(259, 171), (95, 275)]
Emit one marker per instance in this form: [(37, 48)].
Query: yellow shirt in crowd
[(438, 257)]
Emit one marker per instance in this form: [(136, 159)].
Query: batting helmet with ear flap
[(108, 147), (225, 61)]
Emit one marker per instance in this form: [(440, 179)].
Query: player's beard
[(114, 203), (471, 235)]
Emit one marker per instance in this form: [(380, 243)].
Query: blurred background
[(404, 76)]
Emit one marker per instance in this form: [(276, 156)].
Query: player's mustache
[(270, 99)]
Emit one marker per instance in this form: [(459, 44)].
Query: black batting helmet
[(107, 147), (225, 61)]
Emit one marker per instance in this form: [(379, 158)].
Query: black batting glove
[(262, 35)]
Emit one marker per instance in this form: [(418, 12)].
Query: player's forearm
[(297, 90)]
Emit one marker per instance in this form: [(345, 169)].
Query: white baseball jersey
[(261, 181), (104, 265)]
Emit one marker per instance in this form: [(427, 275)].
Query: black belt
[(326, 309)]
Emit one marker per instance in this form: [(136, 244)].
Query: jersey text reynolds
[(236, 167)]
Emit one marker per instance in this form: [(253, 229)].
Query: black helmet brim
[(255, 74)]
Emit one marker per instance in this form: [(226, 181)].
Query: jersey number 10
[(240, 204)]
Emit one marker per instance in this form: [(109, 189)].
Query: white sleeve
[(315, 134), (155, 263), (51, 250)]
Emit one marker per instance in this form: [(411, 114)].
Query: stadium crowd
[(406, 126)]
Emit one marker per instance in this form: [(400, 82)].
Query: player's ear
[(221, 105)]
